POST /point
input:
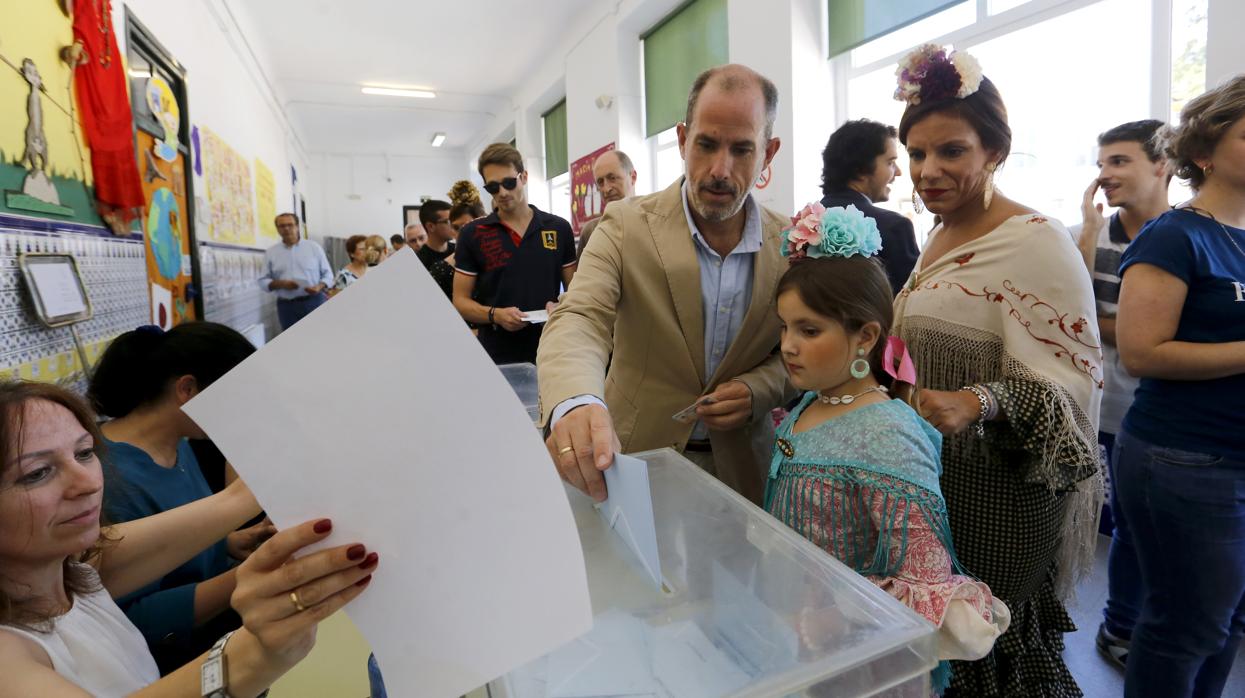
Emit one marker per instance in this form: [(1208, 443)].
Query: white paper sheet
[(629, 512), (58, 289), (689, 665), (536, 316), (612, 660), (481, 568)]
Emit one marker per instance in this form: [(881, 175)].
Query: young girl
[(855, 471)]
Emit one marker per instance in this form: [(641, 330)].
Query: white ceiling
[(473, 53)]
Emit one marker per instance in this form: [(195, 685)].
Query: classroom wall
[(228, 95), (364, 194)]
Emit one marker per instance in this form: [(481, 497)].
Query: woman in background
[(142, 381), (356, 267), (1181, 454)]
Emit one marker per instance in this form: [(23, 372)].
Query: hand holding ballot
[(583, 444), (509, 319)]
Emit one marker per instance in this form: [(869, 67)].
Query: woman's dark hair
[(475, 209), (353, 242), (852, 291), (138, 366), (851, 152), (13, 398), (983, 109)]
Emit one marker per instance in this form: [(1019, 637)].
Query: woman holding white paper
[(61, 633)]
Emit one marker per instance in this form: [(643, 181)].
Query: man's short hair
[(408, 227), (1135, 132), (283, 215), (623, 161), (429, 209), (728, 79), (500, 154), (396, 240), (851, 152)]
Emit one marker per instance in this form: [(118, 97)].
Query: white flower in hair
[(970, 73)]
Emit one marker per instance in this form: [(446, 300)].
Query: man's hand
[(1091, 213), (583, 444), (284, 285), (241, 544), (510, 319), (730, 407), (314, 290), (950, 412)]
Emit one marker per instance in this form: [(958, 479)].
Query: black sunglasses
[(509, 183)]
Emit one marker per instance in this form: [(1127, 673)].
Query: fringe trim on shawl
[(842, 496), (1066, 459)]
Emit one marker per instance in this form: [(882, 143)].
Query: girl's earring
[(860, 367)]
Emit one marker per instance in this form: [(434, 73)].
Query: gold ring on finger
[(566, 450), (298, 603)]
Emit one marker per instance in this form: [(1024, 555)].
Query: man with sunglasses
[(437, 254), (514, 261), (673, 307)]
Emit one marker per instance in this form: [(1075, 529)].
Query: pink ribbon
[(896, 352)]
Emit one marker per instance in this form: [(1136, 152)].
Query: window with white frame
[(667, 162), (1067, 72), (560, 195)]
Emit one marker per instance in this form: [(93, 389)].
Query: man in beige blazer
[(675, 297)]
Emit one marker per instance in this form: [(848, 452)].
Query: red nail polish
[(363, 582), (355, 552), (370, 562), (323, 526)]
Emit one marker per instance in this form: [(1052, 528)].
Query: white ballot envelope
[(481, 568), (629, 512)]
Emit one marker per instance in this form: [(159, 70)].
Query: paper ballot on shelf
[(629, 512), (445, 509)]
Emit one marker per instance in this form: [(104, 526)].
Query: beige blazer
[(635, 307)]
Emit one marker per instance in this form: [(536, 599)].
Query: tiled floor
[(1097, 677)]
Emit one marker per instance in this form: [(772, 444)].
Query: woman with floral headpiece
[(855, 471), (999, 316)]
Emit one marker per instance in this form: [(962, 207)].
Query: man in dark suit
[(858, 166)]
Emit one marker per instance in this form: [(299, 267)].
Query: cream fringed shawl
[(1017, 305)]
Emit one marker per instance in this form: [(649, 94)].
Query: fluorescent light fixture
[(437, 139), (396, 92)]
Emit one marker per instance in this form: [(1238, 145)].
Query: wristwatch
[(214, 675)]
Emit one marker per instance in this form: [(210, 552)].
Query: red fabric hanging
[(104, 109)]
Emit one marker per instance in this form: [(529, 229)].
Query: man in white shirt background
[(297, 271)]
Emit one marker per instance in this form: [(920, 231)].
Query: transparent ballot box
[(522, 380), (747, 608)]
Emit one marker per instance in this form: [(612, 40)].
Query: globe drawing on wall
[(164, 233)]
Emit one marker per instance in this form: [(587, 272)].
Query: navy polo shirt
[(513, 270)]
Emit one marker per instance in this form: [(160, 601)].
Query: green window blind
[(854, 22), (555, 141), (682, 46)]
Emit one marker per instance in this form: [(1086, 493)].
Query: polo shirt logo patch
[(550, 239)]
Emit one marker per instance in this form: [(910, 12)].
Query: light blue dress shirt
[(725, 293), (304, 262)]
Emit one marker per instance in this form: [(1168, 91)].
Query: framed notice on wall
[(56, 290)]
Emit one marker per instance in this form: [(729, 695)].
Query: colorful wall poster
[(265, 203), (230, 194), (586, 201)]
